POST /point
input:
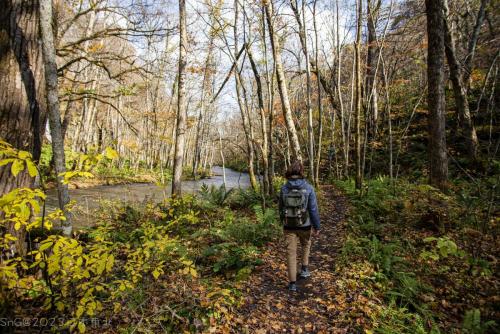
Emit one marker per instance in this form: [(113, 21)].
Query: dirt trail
[(270, 308)]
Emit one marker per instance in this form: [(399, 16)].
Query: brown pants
[(291, 242)]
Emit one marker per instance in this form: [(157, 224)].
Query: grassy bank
[(427, 260)]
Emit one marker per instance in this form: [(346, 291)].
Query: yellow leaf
[(31, 168), (23, 155), (17, 166), (79, 311), (60, 306), (45, 245), (117, 307), (110, 262), (110, 153), (81, 327), (156, 274)]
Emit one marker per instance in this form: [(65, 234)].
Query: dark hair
[(295, 170)]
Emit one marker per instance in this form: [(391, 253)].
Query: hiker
[(300, 218)]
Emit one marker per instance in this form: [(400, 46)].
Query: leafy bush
[(246, 198), (278, 182), (238, 239), (72, 277), (444, 247), (244, 230), (215, 196), (399, 320), (229, 256)]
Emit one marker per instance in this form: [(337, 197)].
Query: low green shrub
[(399, 320), (215, 196), (246, 198), (235, 241), (472, 323)]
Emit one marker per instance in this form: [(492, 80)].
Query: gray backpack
[(295, 207)]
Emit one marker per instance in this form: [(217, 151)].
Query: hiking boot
[(304, 273), (292, 287)]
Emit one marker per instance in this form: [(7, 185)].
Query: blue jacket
[(312, 204)]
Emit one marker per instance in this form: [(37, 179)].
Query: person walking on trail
[(299, 215)]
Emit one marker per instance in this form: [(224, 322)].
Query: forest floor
[(268, 305)]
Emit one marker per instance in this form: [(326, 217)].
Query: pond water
[(88, 199)]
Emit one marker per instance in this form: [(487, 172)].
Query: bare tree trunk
[(389, 120), (303, 38), (22, 97), (320, 106), (358, 104), (206, 95), (260, 99), (459, 90), (471, 49), (49, 55), (438, 162), (282, 87), (345, 135), (270, 96), (181, 104), (371, 64), (243, 105)]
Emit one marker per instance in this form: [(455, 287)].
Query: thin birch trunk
[(49, 56), (181, 104)]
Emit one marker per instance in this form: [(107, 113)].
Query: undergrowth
[(430, 254), (170, 267)]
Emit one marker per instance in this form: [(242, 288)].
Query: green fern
[(472, 323), (216, 196)]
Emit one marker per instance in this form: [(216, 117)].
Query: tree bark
[(282, 86), (466, 127), (343, 126), (181, 103), (371, 64), (303, 38), (358, 94), (438, 161), (270, 97), (22, 97), (260, 99), (471, 47), (320, 105), (49, 56)]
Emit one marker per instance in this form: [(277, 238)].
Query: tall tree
[(358, 104), (243, 103), (206, 89), (22, 97), (371, 64), (320, 105), (49, 57), (301, 22), (260, 99), (281, 79), (438, 161), (181, 104), (460, 82)]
